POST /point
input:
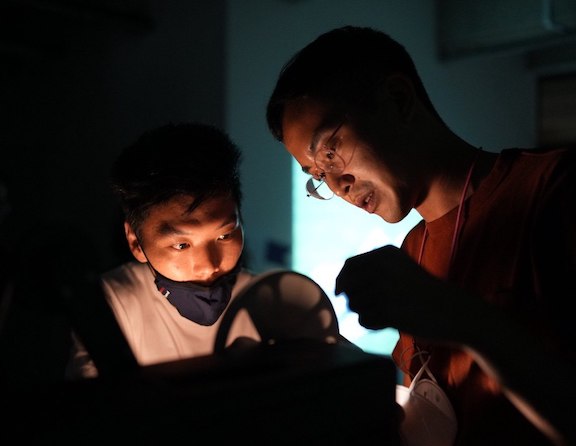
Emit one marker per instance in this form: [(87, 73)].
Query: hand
[(388, 289)]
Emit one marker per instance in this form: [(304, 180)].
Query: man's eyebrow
[(165, 228), (315, 140), (317, 136), (233, 219)]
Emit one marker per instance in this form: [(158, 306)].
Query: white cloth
[(154, 329), (428, 416)]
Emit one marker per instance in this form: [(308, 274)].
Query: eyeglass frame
[(311, 187)]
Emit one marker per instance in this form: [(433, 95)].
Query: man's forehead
[(303, 109), (302, 117), (188, 223)]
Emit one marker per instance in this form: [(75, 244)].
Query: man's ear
[(400, 90), (133, 243)]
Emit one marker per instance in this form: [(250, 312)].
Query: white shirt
[(154, 329)]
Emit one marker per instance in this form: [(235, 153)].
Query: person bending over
[(351, 108)]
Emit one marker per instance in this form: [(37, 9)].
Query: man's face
[(197, 246), (353, 165)]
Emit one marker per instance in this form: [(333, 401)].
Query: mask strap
[(150, 267)]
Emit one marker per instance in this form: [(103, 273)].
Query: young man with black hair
[(481, 286), (179, 188)]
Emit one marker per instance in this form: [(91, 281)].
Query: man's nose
[(205, 264), (339, 183)]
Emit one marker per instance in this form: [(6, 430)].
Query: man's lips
[(365, 202)]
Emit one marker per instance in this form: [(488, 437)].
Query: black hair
[(193, 159), (342, 67)]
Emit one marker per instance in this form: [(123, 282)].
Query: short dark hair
[(342, 67), (192, 159)]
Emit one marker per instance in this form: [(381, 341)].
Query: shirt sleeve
[(80, 364)]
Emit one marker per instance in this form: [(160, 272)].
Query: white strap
[(423, 369)]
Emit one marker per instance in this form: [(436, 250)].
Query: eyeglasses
[(326, 160)]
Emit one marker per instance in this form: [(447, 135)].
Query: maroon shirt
[(516, 249)]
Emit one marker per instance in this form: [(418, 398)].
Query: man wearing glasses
[(479, 288)]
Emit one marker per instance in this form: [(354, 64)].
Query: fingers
[(366, 269), (371, 323), (340, 283), (365, 279), (348, 275), (370, 312)]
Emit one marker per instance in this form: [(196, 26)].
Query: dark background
[(81, 79)]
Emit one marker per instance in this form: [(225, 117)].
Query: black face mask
[(200, 304)]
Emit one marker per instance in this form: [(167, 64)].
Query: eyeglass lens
[(326, 161), (318, 189)]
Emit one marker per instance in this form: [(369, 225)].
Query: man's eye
[(181, 246), (319, 175), (230, 234), (227, 236), (326, 155)]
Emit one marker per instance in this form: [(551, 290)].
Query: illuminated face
[(332, 151), (197, 246)]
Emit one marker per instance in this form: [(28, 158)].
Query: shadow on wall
[(50, 287), (80, 79)]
